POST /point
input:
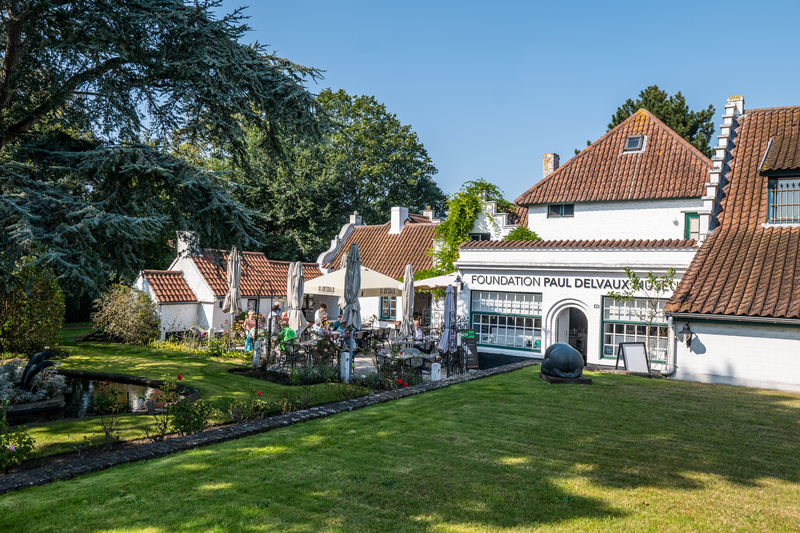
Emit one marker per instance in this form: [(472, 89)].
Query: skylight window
[(634, 143)]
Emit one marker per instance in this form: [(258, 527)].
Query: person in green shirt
[(286, 334)]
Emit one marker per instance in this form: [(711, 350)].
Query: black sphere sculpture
[(562, 361)]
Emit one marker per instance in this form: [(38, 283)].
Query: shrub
[(127, 313), (522, 234), (312, 374), (190, 417), (251, 408), (45, 384), (31, 312), (15, 446)]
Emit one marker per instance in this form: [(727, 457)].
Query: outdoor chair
[(293, 353), (382, 361), (416, 364)]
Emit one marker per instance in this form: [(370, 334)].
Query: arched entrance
[(569, 325)]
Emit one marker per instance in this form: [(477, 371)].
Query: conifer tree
[(697, 127), (94, 96)]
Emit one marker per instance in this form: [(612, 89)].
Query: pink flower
[(179, 377), (11, 447), (326, 349), (258, 392)]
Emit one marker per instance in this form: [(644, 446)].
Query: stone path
[(77, 467)]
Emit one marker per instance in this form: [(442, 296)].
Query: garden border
[(87, 465)]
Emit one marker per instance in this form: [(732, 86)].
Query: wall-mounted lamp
[(460, 283), (686, 333)]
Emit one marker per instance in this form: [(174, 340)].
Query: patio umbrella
[(444, 342), (231, 304), (294, 292), (372, 284), (352, 290), (343, 266), (407, 326)]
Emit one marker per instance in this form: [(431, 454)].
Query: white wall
[(570, 269), (656, 219), (193, 278), (749, 355), (491, 222), (179, 317)]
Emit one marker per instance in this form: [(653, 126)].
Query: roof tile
[(669, 167), (169, 286)]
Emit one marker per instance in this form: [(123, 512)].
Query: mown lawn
[(207, 374), (508, 453)]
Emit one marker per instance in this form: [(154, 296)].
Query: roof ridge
[(767, 109), (680, 139), (154, 271)]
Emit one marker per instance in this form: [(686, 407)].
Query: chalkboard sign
[(634, 357), (470, 345)]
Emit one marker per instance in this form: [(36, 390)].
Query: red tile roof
[(256, 269), (518, 245), (389, 254), (743, 268), (783, 153), (169, 286), (669, 167), (519, 216)]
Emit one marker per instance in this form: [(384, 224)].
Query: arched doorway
[(571, 326)]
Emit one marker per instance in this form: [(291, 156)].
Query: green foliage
[(106, 403), (312, 374), (127, 313), (522, 234), (463, 209), (86, 190), (190, 417), (250, 408), (697, 127), (15, 446), (369, 163), (31, 311)]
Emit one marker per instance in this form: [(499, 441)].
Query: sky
[(491, 86)]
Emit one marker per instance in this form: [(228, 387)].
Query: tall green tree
[(697, 127), (376, 161), (79, 82), (370, 163)]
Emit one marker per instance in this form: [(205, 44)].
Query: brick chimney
[(399, 217), (549, 164)]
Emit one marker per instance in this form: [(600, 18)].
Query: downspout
[(674, 342)]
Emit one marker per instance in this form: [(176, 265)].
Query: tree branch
[(59, 97)]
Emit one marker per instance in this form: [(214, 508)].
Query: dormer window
[(784, 201), (634, 143)]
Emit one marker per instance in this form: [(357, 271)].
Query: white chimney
[(549, 164), (429, 214), (399, 217), (355, 218), (187, 244)]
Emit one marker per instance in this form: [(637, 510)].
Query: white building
[(191, 292), (740, 296), (634, 199)]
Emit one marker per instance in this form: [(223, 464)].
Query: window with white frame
[(507, 319), (629, 322)]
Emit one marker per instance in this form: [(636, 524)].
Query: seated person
[(321, 314), (336, 324), (286, 334), (418, 334), (284, 317), (317, 327)]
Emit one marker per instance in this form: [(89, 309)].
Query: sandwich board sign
[(470, 344), (634, 357)]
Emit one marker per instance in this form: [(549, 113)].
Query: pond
[(79, 398)]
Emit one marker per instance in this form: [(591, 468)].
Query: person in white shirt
[(321, 314), (418, 334)]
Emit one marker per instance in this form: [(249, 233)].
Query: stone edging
[(77, 467)]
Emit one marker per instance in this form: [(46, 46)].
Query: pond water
[(79, 398)]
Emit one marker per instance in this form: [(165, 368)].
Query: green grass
[(508, 453), (207, 374)]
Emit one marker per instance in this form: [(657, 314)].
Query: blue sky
[(491, 86)]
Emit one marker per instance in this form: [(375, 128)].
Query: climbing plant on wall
[(463, 208)]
